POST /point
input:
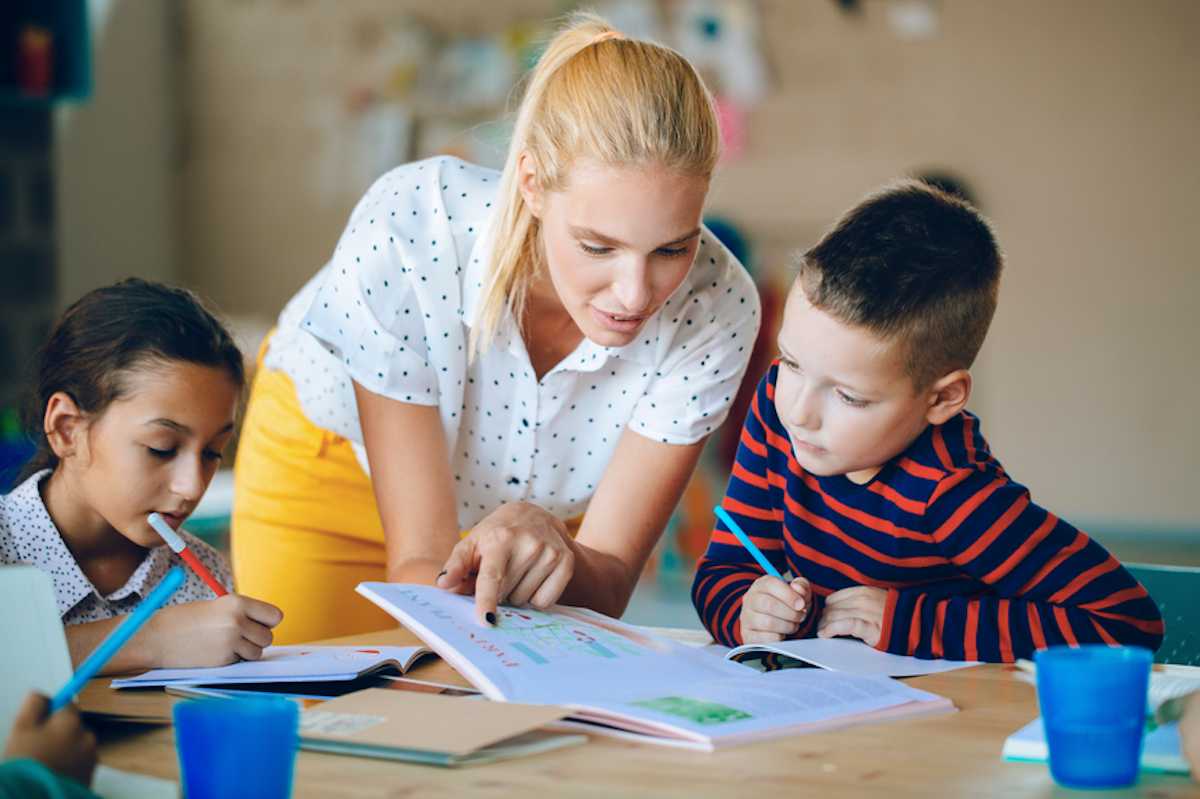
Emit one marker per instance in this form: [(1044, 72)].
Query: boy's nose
[(803, 411)]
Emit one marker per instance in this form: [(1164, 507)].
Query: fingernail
[(491, 617)]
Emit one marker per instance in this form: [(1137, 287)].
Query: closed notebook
[(1160, 751), (846, 655), (284, 664), (430, 728)]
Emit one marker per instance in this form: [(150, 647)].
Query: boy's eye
[(590, 250), (672, 252), (853, 402), (162, 454), (212, 455), (789, 363)]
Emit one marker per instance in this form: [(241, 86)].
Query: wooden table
[(952, 755)]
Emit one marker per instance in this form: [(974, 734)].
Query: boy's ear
[(65, 425), (527, 183), (948, 396)]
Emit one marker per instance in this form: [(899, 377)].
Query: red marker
[(177, 545)]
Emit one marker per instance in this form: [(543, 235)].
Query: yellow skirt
[(305, 529)]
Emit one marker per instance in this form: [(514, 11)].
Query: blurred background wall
[(227, 140)]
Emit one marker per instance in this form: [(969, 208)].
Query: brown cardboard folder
[(430, 728)]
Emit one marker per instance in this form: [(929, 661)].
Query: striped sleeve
[(1048, 582), (727, 570)]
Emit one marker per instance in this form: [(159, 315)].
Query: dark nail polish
[(491, 617)]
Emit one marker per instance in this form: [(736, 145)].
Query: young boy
[(861, 472)]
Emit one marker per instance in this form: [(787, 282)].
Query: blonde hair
[(595, 94)]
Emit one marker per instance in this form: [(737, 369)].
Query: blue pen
[(746, 542), (117, 638)]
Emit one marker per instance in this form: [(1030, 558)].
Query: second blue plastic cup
[(1093, 702), (237, 747)]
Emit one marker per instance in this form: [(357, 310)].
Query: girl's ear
[(527, 183), (948, 396), (65, 426)]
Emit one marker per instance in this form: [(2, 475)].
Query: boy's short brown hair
[(914, 264)]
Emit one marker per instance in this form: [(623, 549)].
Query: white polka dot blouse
[(29, 537), (392, 310)]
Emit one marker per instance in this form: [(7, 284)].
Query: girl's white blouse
[(393, 308)]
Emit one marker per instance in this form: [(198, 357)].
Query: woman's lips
[(618, 323)]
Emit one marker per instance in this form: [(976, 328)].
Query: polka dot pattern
[(392, 310), (28, 536)]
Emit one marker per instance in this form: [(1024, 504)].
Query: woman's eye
[(213, 455), (590, 250), (673, 252), (789, 363), (162, 454)]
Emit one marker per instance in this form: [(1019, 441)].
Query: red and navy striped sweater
[(974, 570)]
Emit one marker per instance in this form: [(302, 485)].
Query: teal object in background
[(1176, 590), (71, 49)]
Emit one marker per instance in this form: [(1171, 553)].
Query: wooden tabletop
[(953, 755)]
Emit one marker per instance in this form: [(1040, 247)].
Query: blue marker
[(746, 542), (117, 638)]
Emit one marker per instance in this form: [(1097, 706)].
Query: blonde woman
[(501, 382)]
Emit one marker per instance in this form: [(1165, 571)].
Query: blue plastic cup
[(1093, 702), (237, 747)]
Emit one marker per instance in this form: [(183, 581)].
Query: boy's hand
[(856, 611), (773, 610), (212, 633), (60, 742)]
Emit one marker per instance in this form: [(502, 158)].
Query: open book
[(847, 655), (290, 664), (621, 681)]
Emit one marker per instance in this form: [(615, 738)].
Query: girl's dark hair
[(112, 330)]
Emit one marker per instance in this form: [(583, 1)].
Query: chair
[(1176, 590)]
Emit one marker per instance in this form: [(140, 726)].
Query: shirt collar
[(50, 554)]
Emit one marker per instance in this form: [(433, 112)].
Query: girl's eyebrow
[(595, 235), (171, 424)]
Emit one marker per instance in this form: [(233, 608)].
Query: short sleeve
[(366, 310), (714, 322)]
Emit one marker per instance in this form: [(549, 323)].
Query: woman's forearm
[(601, 581)]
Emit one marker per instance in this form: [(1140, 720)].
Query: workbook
[(847, 655), (289, 664), (1161, 749), (618, 680)]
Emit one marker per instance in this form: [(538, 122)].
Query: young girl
[(137, 389), (513, 354)]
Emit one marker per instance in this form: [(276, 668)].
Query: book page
[(544, 657), (852, 657), (286, 664)]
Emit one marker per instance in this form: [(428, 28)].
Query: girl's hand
[(519, 554), (773, 610), (59, 741), (212, 633), (856, 612)]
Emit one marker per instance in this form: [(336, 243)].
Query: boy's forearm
[(997, 629), (717, 593)]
